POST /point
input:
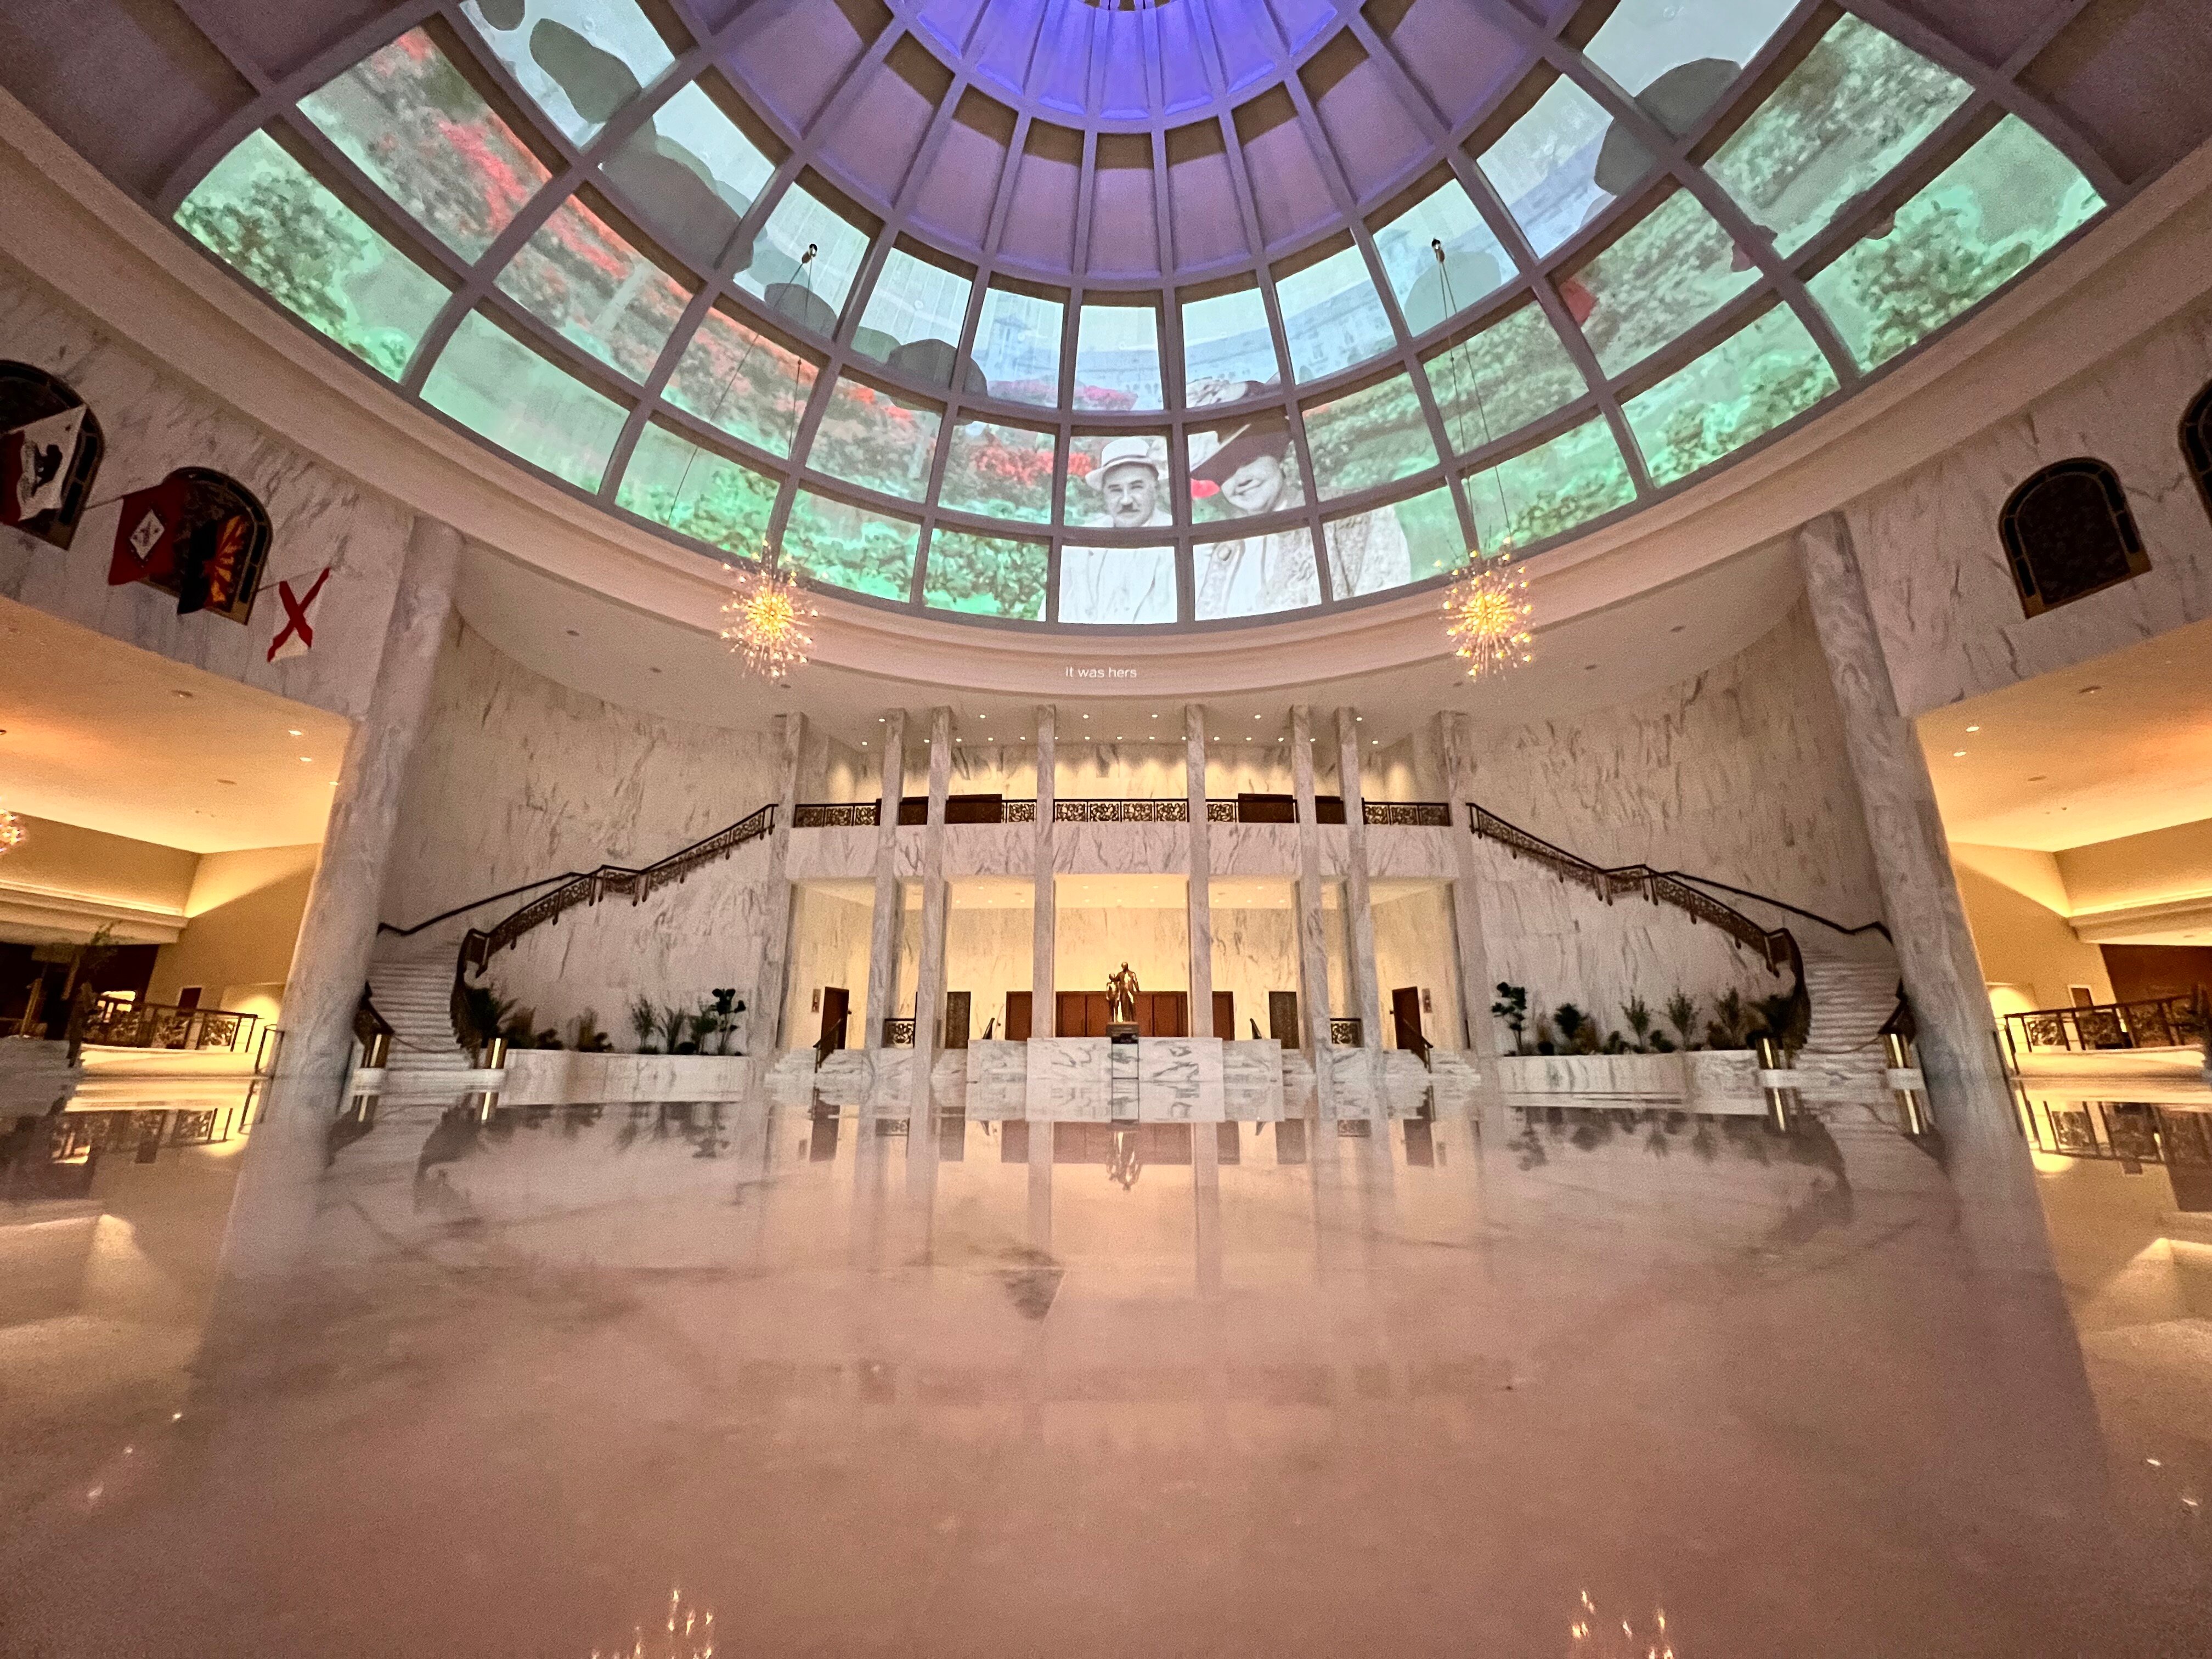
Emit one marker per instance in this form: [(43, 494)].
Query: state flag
[(297, 637), (34, 465), (208, 564), (146, 534)]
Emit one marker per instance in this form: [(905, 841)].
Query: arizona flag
[(146, 534), (297, 637), (208, 564), (34, 465)]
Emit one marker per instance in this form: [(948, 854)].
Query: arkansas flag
[(146, 534), (34, 465), (297, 637)]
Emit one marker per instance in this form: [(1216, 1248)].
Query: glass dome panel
[(1226, 343), (695, 492), (579, 61), (1369, 437), (266, 216), (1018, 346), (1117, 357), (1387, 547), (692, 175), (1858, 106), (812, 293), (1126, 501), (1549, 490), (580, 276), (843, 546), (985, 575), (1983, 219), (1476, 262), (412, 121), (1244, 467), (1765, 373), (1546, 166), (1494, 383), (1673, 268), (871, 438), (496, 387), (912, 322), (1000, 471), (1331, 316), (1256, 575), (1122, 585), (1645, 42), (748, 383)]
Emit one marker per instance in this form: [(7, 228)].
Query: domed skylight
[(1110, 313)]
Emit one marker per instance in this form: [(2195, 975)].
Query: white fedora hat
[(1125, 452)]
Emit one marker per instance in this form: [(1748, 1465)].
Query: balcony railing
[(898, 1034), (126, 1023), (2155, 1023), (1347, 1033), (1164, 808), (2119, 1130)]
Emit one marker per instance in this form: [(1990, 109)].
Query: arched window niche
[(2197, 444), (46, 452), (2068, 533)]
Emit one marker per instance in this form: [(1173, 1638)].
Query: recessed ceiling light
[(294, 733), (1676, 629), (306, 760), (2091, 690), (1973, 728), (2040, 777), (1957, 754), (186, 696), (232, 782), (652, 670)]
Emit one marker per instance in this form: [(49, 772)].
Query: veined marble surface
[(997, 1062), (1120, 849), (153, 423), (1177, 1078), (1253, 849), (847, 854), (1068, 1079), (1252, 1080), (990, 849)]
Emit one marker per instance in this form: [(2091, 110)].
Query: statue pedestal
[(1120, 1030)]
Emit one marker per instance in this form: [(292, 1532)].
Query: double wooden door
[(1160, 1013)]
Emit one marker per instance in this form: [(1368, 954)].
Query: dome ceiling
[(1188, 312)]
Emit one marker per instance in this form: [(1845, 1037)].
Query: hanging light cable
[(1487, 610), (765, 618)]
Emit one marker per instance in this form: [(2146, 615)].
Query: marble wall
[(1942, 597), (1091, 944), (1414, 945), (1736, 774), (518, 778), (828, 946), (1255, 949), (987, 953), (154, 422)]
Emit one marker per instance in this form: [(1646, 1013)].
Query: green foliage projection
[(985, 576)]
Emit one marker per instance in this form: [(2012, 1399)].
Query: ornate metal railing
[(1165, 811), (898, 1034), (479, 946), (835, 815), (2124, 1132), (1347, 1033), (125, 1022), (1410, 814), (1221, 812), (2153, 1023)]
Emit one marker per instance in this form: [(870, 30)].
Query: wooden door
[(1018, 1017), (1080, 1013), (1405, 1015), (956, 1019), (1225, 1015), (1164, 1013), (836, 1010), (1283, 1018)]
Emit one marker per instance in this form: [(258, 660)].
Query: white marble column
[(929, 982), (1201, 886), (1359, 933), (1044, 937), (1476, 989), (762, 1027), (1968, 1092), (1313, 943), (884, 921), (337, 932)]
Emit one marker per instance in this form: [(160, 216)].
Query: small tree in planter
[(1512, 1007), (1574, 1027), (1638, 1014), (644, 1023), (1683, 1015), (1731, 1025)]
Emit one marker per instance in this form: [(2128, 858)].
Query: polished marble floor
[(782, 1378)]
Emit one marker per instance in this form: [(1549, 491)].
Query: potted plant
[(1512, 1007), (644, 1021), (485, 1014), (1638, 1014), (1683, 1015)]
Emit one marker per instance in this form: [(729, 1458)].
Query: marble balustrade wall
[(1737, 775), (1943, 595), (154, 422)]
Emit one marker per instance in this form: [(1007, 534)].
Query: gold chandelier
[(763, 621), (1486, 612), (11, 831)]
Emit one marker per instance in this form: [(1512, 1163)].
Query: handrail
[(479, 945), (476, 904), (831, 1040), (1157, 809), (2146, 1023)]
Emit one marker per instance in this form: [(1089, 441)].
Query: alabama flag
[(146, 534), (34, 465), (297, 637)]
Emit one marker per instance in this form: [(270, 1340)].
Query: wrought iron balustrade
[(2150, 1022), (126, 1023), (1408, 814), (1175, 810), (898, 1034), (2123, 1131), (835, 815), (1347, 1033)]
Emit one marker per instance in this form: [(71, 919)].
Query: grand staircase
[(414, 996)]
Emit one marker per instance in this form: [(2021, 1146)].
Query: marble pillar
[(884, 919), (763, 1030), (1969, 1094), (1200, 885), (337, 932), (1313, 943), (1359, 934), (929, 978), (1044, 907), (1476, 988)]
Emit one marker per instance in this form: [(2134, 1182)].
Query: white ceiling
[(622, 655), (2115, 747), (99, 733)]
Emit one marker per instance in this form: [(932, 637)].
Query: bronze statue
[(1122, 990)]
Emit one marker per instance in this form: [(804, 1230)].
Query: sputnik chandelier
[(1487, 610), (11, 831), (763, 621)]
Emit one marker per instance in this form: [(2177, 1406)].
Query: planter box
[(1712, 1080), (561, 1077)]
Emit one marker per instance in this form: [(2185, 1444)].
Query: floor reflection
[(1467, 1379)]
